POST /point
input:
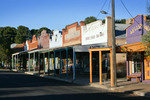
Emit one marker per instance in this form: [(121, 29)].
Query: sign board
[(94, 33), (72, 34), (135, 31)]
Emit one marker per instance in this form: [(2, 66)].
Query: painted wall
[(34, 43), (55, 40), (26, 47), (72, 34), (43, 40), (135, 31), (94, 33)]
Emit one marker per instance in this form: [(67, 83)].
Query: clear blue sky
[(56, 14)]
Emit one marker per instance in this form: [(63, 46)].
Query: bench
[(133, 76)]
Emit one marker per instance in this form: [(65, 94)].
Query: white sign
[(94, 33)]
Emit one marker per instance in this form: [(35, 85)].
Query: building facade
[(137, 62)]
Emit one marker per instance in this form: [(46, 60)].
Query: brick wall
[(34, 43), (109, 31), (43, 40), (72, 34)]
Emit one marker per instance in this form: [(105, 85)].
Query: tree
[(103, 21), (43, 28), (90, 19), (123, 21), (22, 34), (7, 37), (146, 43), (34, 32)]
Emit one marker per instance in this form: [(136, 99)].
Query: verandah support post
[(100, 67), (39, 61), (20, 61), (111, 72), (60, 64), (15, 61), (34, 62), (48, 62), (29, 62), (90, 66), (44, 62), (67, 61), (74, 64), (12, 62), (54, 64)]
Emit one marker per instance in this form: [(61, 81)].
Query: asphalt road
[(18, 86)]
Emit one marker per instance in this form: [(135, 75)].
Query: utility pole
[(113, 43)]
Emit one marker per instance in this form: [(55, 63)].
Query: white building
[(55, 40), (26, 47), (94, 33)]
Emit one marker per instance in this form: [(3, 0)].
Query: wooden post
[(29, 62), (111, 65), (17, 62), (60, 64), (90, 66), (48, 62), (39, 61), (34, 62), (54, 64), (44, 62), (67, 61), (12, 62), (74, 64), (100, 67)]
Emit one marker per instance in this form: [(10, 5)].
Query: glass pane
[(136, 63)]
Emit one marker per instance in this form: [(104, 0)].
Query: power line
[(108, 6), (101, 8), (126, 8), (131, 15)]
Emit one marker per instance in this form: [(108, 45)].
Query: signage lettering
[(94, 36)]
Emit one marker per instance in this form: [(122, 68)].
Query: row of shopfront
[(85, 50)]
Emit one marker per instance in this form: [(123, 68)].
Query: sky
[(56, 14)]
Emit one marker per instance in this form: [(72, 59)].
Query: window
[(136, 62)]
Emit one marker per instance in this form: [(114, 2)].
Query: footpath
[(123, 86)]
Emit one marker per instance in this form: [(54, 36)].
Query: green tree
[(117, 21), (103, 21), (34, 31), (43, 28), (90, 19), (146, 43), (7, 37), (123, 21), (22, 34)]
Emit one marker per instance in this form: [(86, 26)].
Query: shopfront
[(98, 35), (137, 62)]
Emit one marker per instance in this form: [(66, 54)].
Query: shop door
[(148, 70)]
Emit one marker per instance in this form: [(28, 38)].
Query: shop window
[(136, 63)]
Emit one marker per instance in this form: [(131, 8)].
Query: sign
[(72, 34), (94, 33), (135, 31)]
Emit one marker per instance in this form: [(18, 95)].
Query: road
[(18, 86)]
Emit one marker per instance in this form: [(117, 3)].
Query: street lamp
[(103, 12), (113, 42)]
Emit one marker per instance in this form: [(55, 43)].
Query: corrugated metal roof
[(120, 30)]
